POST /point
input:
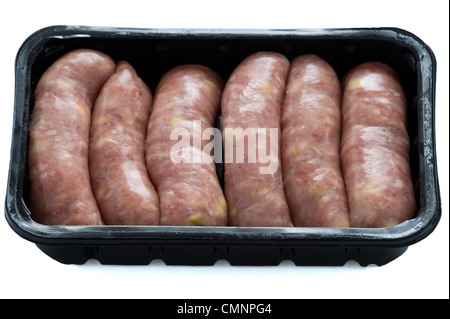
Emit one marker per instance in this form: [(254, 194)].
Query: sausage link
[(121, 184), (186, 100), (61, 192), (251, 103), (311, 128), (375, 147)]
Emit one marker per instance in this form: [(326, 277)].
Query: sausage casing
[(311, 128), (375, 147), (61, 192), (186, 100), (252, 101), (119, 177)]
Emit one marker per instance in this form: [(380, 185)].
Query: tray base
[(209, 255)]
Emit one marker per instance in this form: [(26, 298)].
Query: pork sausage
[(61, 192), (119, 178), (251, 109), (375, 147), (186, 103), (310, 137)]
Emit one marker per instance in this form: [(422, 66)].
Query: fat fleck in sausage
[(251, 104), (61, 192), (311, 128), (119, 177), (375, 147), (186, 100)]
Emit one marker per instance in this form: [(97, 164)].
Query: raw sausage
[(186, 103), (251, 108), (310, 137), (375, 147), (61, 192), (121, 185)]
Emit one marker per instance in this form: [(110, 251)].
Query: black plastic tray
[(154, 51)]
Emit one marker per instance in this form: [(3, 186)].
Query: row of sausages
[(100, 145)]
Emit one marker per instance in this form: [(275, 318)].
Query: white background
[(422, 272)]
